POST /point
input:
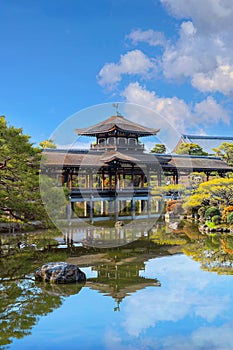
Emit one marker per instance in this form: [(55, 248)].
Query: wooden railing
[(109, 193), (102, 146)]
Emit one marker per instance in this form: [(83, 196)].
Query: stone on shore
[(60, 272)]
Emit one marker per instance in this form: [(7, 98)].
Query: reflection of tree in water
[(214, 252), (162, 237), (22, 303)]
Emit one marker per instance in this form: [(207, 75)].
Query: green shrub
[(201, 212), (216, 219), (230, 218), (211, 211)]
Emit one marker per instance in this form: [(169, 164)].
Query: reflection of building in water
[(121, 279), (108, 236), (115, 177)]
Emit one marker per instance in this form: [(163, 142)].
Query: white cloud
[(132, 63), (210, 111), (176, 111), (188, 28), (188, 55), (204, 50), (202, 55), (149, 36), (220, 79), (209, 15)]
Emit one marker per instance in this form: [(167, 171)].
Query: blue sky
[(61, 56)]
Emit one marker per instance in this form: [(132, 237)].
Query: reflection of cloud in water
[(215, 337), (185, 292)]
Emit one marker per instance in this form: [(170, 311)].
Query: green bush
[(216, 219), (230, 218), (201, 212), (211, 211)]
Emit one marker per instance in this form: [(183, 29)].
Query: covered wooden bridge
[(117, 167)]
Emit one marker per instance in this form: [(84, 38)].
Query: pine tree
[(19, 180)]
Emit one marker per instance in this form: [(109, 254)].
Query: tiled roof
[(206, 142), (199, 163), (108, 157), (117, 123), (98, 159)]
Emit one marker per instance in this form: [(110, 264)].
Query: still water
[(169, 289)]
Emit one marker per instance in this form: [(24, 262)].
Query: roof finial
[(116, 105)]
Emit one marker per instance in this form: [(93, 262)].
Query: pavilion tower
[(117, 133)]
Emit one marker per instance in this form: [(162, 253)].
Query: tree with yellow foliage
[(217, 192), (48, 144)]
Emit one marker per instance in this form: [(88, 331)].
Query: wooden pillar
[(116, 209), (123, 182), (110, 181), (148, 179), (141, 184), (133, 207), (139, 206), (72, 209), (159, 180), (65, 177), (175, 178), (70, 180), (90, 180), (102, 207), (132, 178), (102, 181), (118, 181), (115, 176), (91, 206), (85, 209), (85, 180), (149, 206)]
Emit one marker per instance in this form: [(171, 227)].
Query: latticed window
[(132, 142), (112, 140), (122, 141)]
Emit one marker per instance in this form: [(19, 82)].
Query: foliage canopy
[(19, 180), (218, 191), (191, 149), (158, 148), (225, 151)]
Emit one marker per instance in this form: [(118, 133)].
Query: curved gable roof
[(117, 123)]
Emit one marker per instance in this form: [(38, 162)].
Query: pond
[(169, 288)]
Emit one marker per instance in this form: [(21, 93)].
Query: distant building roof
[(117, 123), (207, 143)]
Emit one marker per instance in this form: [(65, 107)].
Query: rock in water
[(60, 272), (119, 224)]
